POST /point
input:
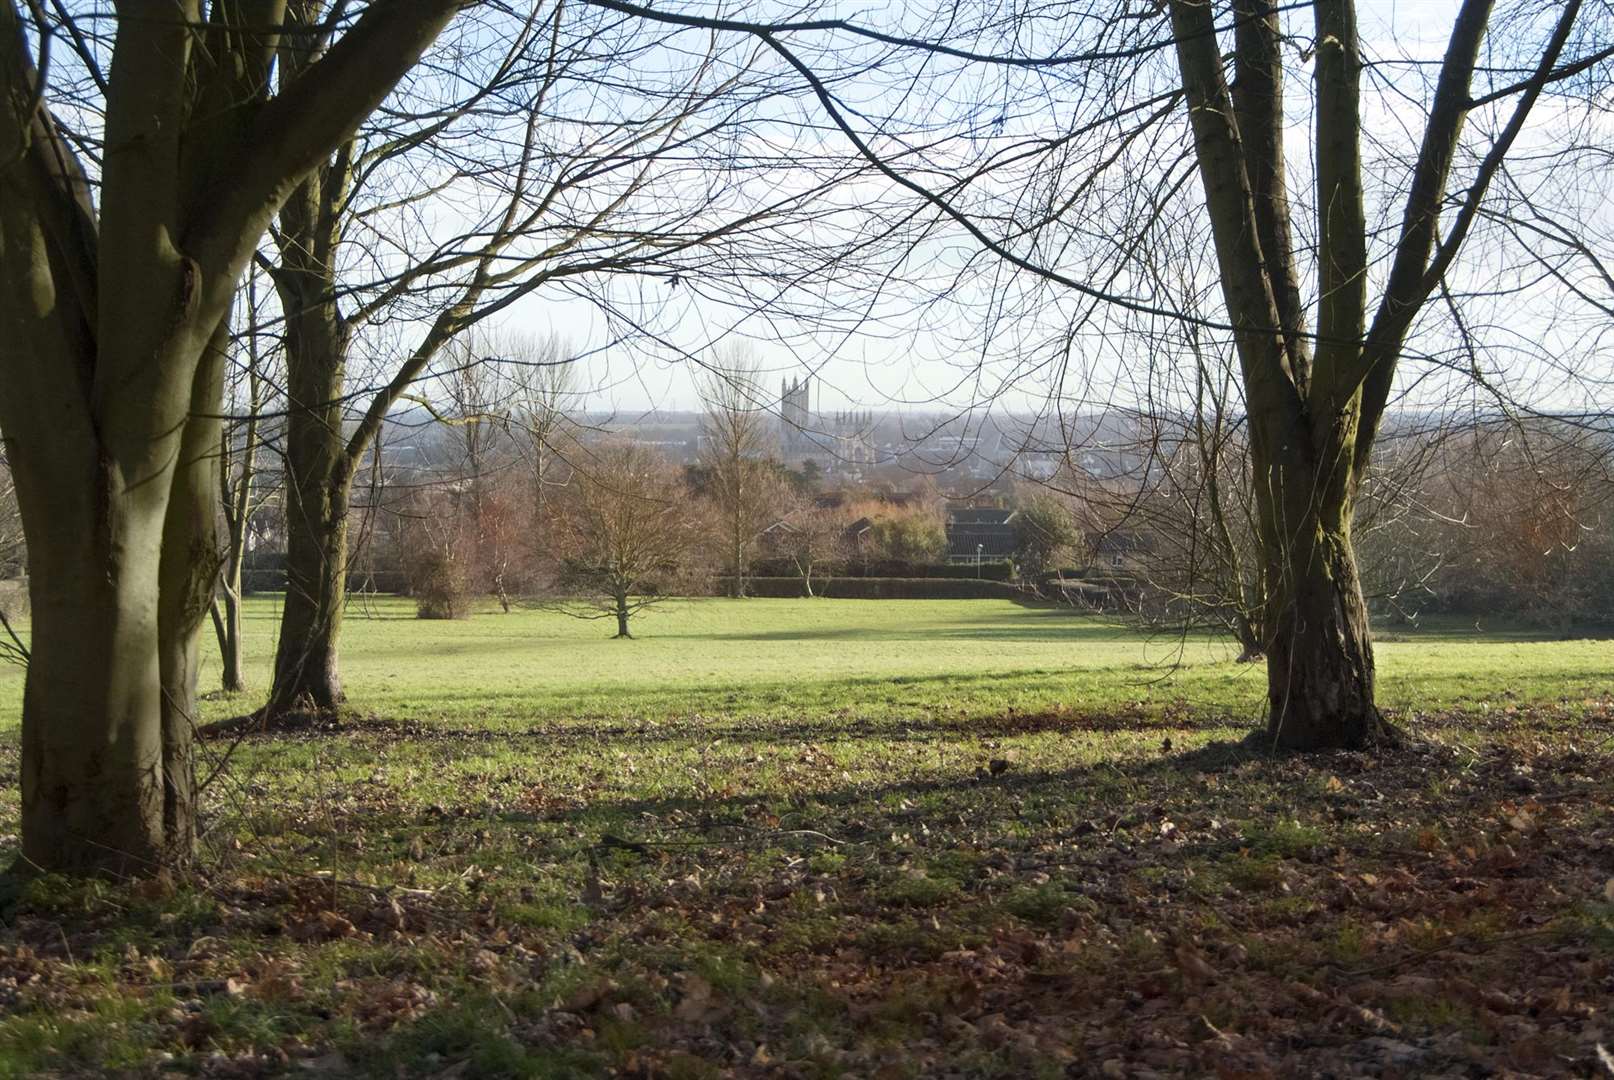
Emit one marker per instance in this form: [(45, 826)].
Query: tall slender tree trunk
[(237, 475), (226, 612), (188, 577), (319, 479), (307, 668)]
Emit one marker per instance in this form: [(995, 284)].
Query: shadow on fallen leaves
[(1439, 910)]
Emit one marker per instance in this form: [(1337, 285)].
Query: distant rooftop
[(979, 515)]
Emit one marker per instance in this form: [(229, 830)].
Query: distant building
[(1119, 552), (795, 411), (980, 533), (845, 438)]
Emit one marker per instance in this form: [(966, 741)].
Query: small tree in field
[(440, 550), (813, 538), (624, 533), (736, 435)]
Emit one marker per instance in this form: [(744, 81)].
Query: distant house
[(1116, 551), (856, 536), (980, 533)]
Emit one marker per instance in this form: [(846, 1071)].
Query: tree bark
[(1319, 654), (318, 482), (319, 470), (111, 376), (226, 612), (188, 577), (737, 545), (622, 616), (1320, 673)]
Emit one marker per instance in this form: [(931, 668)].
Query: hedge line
[(989, 570), (888, 588)]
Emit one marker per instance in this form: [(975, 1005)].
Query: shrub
[(913, 538), (437, 579)]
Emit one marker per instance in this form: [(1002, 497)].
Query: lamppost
[(978, 548)]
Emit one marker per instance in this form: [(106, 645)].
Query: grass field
[(824, 838), (826, 659)]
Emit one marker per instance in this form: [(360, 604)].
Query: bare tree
[(248, 393), (113, 364), (625, 534), (543, 392), (1519, 515), (559, 194), (1067, 204), (1316, 401), (811, 536), (736, 437)]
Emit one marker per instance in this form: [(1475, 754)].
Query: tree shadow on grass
[(925, 729), (926, 888), (1139, 783)]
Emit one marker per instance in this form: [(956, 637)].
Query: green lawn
[(890, 839), (829, 660)]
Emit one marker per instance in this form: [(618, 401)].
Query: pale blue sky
[(999, 335)]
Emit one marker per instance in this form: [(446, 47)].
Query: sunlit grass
[(853, 660)]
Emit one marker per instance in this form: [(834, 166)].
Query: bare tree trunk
[(108, 783), (92, 754), (1320, 674), (622, 615), (319, 480), (226, 613), (188, 575), (1251, 647), (237, 472), (307, 670)]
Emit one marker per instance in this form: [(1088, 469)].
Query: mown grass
[(768, 838), (825, 660)]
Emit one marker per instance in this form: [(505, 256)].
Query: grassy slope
[(880, 659), (831, 884)]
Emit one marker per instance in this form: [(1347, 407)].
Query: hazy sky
[(998, 336)]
